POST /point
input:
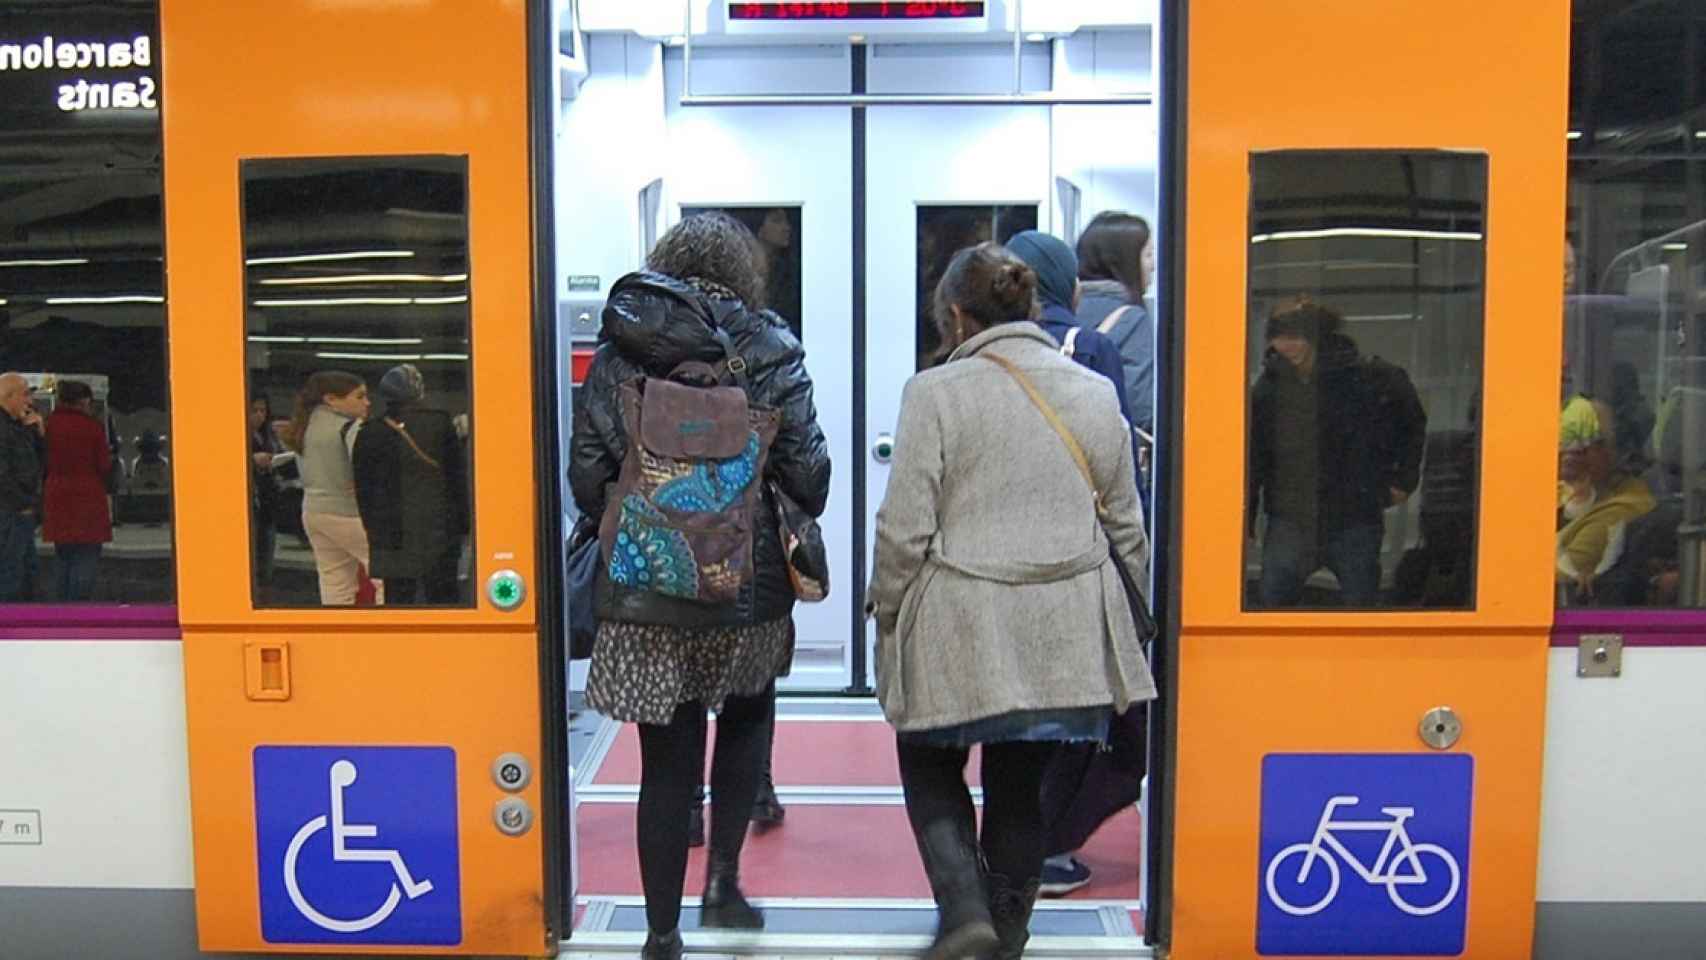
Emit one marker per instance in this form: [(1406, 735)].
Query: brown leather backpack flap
[(690, 423)]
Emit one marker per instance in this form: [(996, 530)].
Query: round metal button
[(1440, 728), (512, 772), (506, 590), (883, 450), (513, 816)]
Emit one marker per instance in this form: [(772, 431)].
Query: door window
[(1364, 359), (357, 319), (944, 231)]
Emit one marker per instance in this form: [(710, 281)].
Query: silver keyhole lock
[(512, 816), (1440, 728), (883, 450)]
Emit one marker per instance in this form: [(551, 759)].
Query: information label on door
[(1364, 855), (358, 845)]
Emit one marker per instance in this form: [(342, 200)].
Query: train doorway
[(859, 236)]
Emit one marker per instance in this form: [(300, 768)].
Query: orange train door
[(351, 197), (1366, 281)]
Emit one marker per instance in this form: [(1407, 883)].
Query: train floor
[(840, 878)]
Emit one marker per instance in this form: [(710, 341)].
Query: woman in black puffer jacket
[(704, 275)]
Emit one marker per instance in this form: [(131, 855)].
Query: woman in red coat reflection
[(75, 518)]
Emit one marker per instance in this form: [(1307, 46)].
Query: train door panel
[(938, 180), (1380, 275), (367, 769), (747, 162)]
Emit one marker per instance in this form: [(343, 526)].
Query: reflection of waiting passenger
[(1597, 500), (1335, 439), (20, 486), (264, 493), (1115, 260), (1438, 571), (411, 485), (329, 409), (75, 518)]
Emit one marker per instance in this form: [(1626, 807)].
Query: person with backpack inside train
[(698, 418)]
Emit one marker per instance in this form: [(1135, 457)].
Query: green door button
[(506, 590)]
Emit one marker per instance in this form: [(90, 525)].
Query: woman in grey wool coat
[(1001, 619)]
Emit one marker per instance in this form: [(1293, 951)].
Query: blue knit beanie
[(1054, 263)]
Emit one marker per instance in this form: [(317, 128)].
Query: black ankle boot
[(1010, 907), (662, 946), (723, 904), (955, 869), (766, 809)]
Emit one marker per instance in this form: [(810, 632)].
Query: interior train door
[(939, 178), (745, 161), (352, 221)]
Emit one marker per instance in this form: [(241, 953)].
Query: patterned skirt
[(640, 673)]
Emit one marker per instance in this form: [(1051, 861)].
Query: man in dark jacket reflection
[(1336, 439), (20, 486)]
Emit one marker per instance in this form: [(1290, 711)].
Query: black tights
[(1013, 836), (671, 764)]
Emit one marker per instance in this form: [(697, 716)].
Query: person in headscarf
[(411, 484), (1597, 498)]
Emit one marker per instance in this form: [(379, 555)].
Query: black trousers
[(1013, 835), (671, 765)]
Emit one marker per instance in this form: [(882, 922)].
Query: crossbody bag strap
[(1111, 320), (404, 433), (1070, 347), (1059, 425)]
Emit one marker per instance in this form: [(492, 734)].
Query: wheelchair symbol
[(343, 774)]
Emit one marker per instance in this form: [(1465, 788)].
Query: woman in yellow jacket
[(1596, 498)]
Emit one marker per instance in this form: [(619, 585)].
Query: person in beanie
[(1086, 783), (1336, 439), (411, 485)]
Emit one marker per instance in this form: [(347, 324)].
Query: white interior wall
[(1112, 153), (1625, 782), (98, 744)]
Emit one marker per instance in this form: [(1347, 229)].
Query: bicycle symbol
[(1398, 867), (342, 775)]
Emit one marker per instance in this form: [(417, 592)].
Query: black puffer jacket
[(653, 324), (1369, 434)]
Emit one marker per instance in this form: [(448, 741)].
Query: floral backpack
[(680, 521)]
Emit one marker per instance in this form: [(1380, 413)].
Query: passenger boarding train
[(1427, 564)]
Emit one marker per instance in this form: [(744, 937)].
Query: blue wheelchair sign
[(1364, 855), (358, 845)]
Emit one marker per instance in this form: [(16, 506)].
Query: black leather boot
[(767, 810), (954, 866), (723, 904), (662, 946), (1010, 907)]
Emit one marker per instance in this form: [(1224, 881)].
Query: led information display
[(855, 11)]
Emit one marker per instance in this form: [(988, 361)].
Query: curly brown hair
[(713, 247)]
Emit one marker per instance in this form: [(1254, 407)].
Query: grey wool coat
[(992, 586)]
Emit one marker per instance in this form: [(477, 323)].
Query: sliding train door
[(350, 216), (1368, 302)]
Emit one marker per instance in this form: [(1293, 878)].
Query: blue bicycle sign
[(1364, 854)]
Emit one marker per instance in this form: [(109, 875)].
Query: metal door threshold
[(849, 928)]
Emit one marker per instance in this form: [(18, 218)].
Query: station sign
[(81, 67)]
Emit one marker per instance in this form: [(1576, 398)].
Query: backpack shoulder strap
[(732, 361), (1111, 320), (1069, 347)]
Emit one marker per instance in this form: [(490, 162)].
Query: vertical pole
[(1018, 50)]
